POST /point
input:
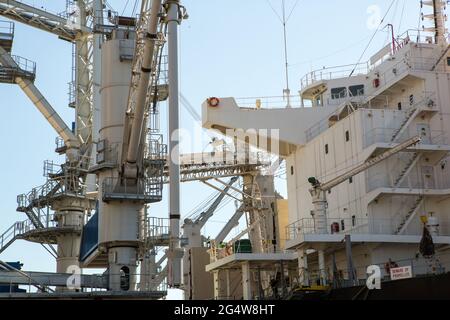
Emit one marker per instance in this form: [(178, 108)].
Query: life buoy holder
[(213, 102)]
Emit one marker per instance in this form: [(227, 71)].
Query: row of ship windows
[(352, 91)]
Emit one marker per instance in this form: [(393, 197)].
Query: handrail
[(355, 225), (6, 28)]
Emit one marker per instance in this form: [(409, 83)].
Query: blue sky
[(227, 48)]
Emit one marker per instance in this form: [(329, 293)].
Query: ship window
[(357, 90), (347, 135), (342, 225), (326, 149), (448, 61), (329, 191), (353, 221), (399, 106), (338, 93), (411, 100), (350, 180), (292, 170)]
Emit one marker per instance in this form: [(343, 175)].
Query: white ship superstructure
[(347, 116)]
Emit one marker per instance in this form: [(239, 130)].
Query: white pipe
[(144, 82), (174, 167)]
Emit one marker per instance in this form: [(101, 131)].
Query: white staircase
[(9, 236), (410, 215), (406, 171), (410, 116), (20, 228)]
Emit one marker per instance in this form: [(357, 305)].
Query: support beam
[(84, 108), (175, 251), (234, 189), (246, 281), (39, 19), (303, 267), (232, 222), (220, 190), (350, 266), (228, 283), (322, 268), (216, 284), (41, 103)]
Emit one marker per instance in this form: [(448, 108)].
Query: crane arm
[(41, 103), (206, 215), (39, 19), (141, 80), (233, 222), (366, 165)]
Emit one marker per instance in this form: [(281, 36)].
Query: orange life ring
[(229, 250), (213, 102)]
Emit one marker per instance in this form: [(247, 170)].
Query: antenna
[(287, 91), (284, 19)]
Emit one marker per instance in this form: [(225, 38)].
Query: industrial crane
[(127, 188), (318, 190), (192, 228)]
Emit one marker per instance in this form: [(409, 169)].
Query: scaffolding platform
[(6, 35), (140, 190), (24, 68)]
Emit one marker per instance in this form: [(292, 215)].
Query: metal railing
[(9, 235), (51, 168), (105, 20), (425, 101), (144, 189), (59, 143), (155, 149), (418, 178), (89, 282), (414, 63), (333, 73), (39, 196), (157, 228), (340, 278), (19, 228), (270, 102), (352, 225), (6, 30), (384, 135), (72, 94), (414, 35), (24, 64)]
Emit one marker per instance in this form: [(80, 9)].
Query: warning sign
[(401, 273)]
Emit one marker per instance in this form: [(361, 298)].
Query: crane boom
[(40, 19), (204, 216), (318, 191), (366, 165), (141, 80)]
